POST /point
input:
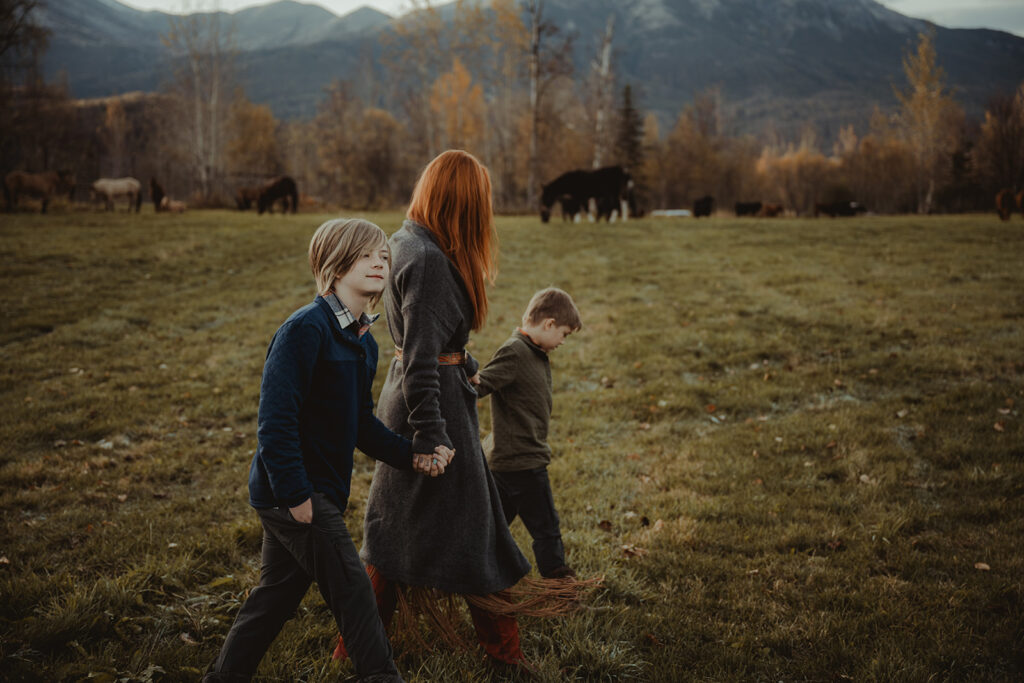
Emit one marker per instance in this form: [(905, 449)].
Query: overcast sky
[(1006, 15)]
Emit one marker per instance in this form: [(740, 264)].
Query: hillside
[(779, 65)]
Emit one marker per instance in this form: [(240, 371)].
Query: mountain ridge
[(778, 64)]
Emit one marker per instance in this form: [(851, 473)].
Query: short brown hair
[(556, 304), (337, 244)]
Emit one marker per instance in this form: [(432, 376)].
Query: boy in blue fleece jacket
[(315, 408)]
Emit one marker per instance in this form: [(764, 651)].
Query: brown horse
[(245, 197), (40, 185), (1004, 203), (110, 189)]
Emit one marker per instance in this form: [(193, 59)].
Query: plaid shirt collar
[(345, 317)]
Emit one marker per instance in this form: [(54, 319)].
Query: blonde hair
[(556, 304), (337, 244), (452, 199)]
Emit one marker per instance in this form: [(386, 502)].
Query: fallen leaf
[(654, 641), (903, 412), (830, 444), (658, 525), (187, 639), (999, 426), (605, 525), (835, 544), (982, 566), (172, 545), (645, 425), (4, 560), (633, 456), (711, 407), (630, 550), (122, 497)]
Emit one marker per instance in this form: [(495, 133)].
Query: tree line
[(498, 81)]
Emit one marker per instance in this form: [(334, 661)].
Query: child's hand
[(430, 464), (475, 379), (303, 512)]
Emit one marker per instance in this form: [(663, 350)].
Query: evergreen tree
[(629, 142)]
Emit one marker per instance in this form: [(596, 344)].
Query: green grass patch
[(793, 448)]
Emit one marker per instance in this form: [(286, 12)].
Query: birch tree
[(603, 84), (202, 86), (929, 120), (548, 58)]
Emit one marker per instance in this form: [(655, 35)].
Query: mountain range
[(779, 64)]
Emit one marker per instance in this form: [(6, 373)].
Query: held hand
[(303, 512), (446, 453), (427, 464), (475, 379)]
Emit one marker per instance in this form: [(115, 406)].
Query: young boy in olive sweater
[(518, 378)]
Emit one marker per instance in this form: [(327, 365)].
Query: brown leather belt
[(453, 358)]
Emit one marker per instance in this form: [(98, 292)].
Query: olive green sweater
[(518, 378)]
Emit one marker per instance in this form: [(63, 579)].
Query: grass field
[(793, 448)]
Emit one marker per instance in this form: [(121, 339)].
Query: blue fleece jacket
[(315, 408)]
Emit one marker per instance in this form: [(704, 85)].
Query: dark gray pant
[(527, 493), (293, 555)]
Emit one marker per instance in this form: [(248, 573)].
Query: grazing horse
[(609, 187), (283, 188), (1004, 203), (40, 185), (110, 189), (156, 193), (703, 206), (245, 196), (570, 207)]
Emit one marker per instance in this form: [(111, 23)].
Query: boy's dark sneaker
[(560, 573)]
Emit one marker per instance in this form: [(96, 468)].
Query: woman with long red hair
[(429, 539)]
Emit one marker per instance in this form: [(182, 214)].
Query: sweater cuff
[(423, 444)]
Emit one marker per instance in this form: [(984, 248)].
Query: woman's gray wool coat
[(446, 532)]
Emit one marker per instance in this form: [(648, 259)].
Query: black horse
[(281, 189), (607, 186)]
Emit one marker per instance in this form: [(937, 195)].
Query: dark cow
[(1020, 202), (1004, 203), (772, 210), (748, 208), (607, 186), (703, 206), (839, 209)]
